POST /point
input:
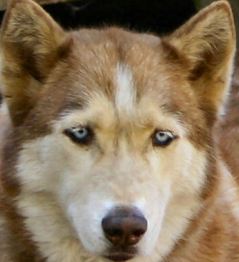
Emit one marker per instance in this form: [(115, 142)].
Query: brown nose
[(124, 226)]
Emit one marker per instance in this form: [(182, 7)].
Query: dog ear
[(31, 45), (207, 42)]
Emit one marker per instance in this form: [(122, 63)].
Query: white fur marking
[(125, 91)]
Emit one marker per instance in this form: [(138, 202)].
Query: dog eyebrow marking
[(125, 96)]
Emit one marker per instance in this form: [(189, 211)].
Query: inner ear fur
[(207, 41), (32, 43)]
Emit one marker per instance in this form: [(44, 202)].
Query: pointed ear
[(31, 45), (207, 42)]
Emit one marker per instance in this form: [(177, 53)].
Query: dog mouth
[(121, 255)]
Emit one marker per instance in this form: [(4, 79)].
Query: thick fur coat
[(107, 119)]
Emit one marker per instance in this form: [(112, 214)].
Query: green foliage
[(197, 4)]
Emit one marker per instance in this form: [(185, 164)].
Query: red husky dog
[(111, 155)]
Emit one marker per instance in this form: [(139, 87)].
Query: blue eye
[(162, 138), (81, 135)]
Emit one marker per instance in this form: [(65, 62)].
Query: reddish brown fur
[(212, 235)]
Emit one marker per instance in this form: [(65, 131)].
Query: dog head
[(113, 128)]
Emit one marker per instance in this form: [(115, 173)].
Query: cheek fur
[(180, 164)]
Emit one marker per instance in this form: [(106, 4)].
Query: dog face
[(121, 161), (114, 129)]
